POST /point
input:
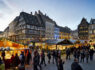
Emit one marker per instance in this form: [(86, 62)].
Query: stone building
[(26, 27), (56, 32), (48, 23), (35, 27), (65, 33), (83, 30), (92, 29), (74, 34), (6, 32)]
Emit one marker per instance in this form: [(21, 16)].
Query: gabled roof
[(65, 29), (7, 28), (84, 21), (30, 19), (45, 17), (92, 21), (42, 18)]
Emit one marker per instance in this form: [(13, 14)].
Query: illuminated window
[(90, 31), (94, 31)]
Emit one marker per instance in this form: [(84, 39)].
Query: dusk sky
[(64, 12)]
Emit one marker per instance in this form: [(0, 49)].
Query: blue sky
[(64, 12)]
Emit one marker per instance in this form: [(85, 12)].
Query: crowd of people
[(82, 53), (37, 60)]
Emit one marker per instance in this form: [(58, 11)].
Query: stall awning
[(73, 41), (53, 42), (65, 42)]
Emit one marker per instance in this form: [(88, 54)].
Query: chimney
[(35, 12), (31, 13), (40, 12)]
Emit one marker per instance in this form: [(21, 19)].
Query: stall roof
[(65, 42), (82, 41), (54, 41), (73, 41)]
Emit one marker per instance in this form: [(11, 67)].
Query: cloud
[(11, 4), (2, 4), (4, 8), (1, 15)]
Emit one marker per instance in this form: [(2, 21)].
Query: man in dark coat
[(75, 65), (91, 54), (60, 64), (16, 60), (35, 61), (28, 57), (43, 58)]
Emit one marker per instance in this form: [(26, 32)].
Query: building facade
[(26, 27), (74, 35), (56, 32), (35, 27), (83, 30), (65, 33), (92, 29), (6, 33), (49, 32), (48, 23), (1, 34)]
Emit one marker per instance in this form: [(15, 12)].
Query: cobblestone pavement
[(67, 65)]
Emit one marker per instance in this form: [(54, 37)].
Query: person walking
[(75, 53), (2, 65), (75, 65), (56, 57), (53, 55), (3, 55), (59, 54), (82, 55), (35, 61), (68, 54), (91, 53), (12, 60), (22, 61), (28, 57), (16, 60), (49, 56), (60, 64), (87, 55), (43, 58), (78, 54), (38, 60)]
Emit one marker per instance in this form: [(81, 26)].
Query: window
[(24, 26), (32, 27), (94, 31), (23, 31), (21, 19), (35, 27), (28, 26), (30, 31)]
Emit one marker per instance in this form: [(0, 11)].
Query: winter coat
[(75, 66)]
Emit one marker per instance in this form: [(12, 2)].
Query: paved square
[(67, 65)]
